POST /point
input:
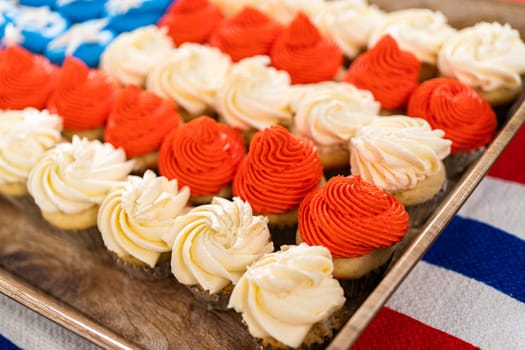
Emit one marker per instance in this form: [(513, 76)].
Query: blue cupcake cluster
[(81, 28)]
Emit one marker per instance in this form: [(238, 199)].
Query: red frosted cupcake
[(139, 122), (191, 21), (390, 73), (359, 223), (457, 109), (279, 171), (203, 155), (249, 33), (26, 80), (305, 54), (83, 97)]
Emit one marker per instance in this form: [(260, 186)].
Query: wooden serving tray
[(85, 292)]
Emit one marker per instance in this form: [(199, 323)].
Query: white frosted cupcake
[(132, 55), (70, 181), (134, 216), (289, 299), (487, 57), (190, 75), (404, 156), (213, 244), (24, 136), (255, 96)]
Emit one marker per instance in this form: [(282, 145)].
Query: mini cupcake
[(69, 182), (24, 136), (285, 11), (134, 216), (138, 123), (305, 54), (190, 75), (421, 32), (403, 155), (329, 114), (359, 223), (191, 21), (487, 57), (213, 245), (254, 96), (390, 73), (465, 117), (80, 10), (348, 23), (85, 41), (26, 80), (249, 33), (83, 97), (131, 56), (289, 299), (203, 155), (125, 16), (278, 172)]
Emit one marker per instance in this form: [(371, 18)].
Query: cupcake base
[(94, 134), (419, 213), (140, 271), (145, 162), (364, 285), (225, 192), (213, 301), (282, 227), (458, 162)]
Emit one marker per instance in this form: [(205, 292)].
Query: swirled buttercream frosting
[(278, 172), (351, 217), (75, 176), (305, 54), (285, 293), (396, 153), (214, 244), (140, 120), (136, 213), (457, 109), (203, 155)]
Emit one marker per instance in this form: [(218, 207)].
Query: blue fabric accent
[(7, 345), (484, 253)]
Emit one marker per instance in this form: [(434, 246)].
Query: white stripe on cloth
[(462, 307)]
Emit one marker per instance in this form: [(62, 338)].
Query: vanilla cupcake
[(329, 114), (213, 245), (69, 182), (24, 136), (132, 55), (289, 299), (134, 216), (487, 57), (190, 75), (404, 156)]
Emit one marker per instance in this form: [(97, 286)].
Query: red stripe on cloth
[(511, 164), (395, 331)]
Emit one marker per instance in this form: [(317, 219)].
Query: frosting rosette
[(329, 113), (190, 75), (139, 121), (486, 56), (213, 244), (285, 293), (349, 23), (132, 55), (24, 136), (419, 31), (284, 11), (278, 172), (249, 33), (203, 155), (255, 96), (136, 213), (457, 109), (26, 80), (305, 54), (83, 97), (389, 73), (395, 153), (75, 176), (191, 21), (351, 217)]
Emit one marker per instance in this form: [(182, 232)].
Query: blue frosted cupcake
[(85, 41), (80, 10), (125, 16)]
